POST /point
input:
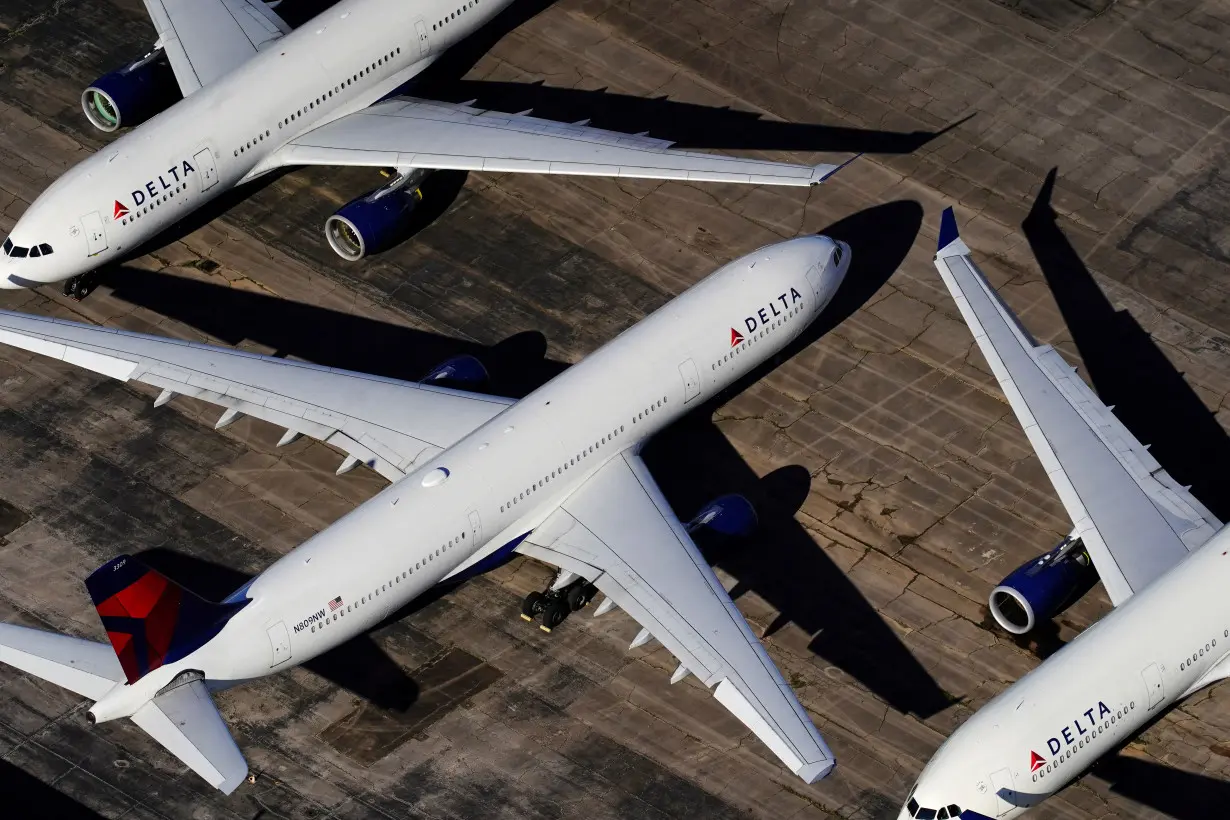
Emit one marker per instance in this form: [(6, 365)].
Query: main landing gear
[(78, 287), (568, 594)]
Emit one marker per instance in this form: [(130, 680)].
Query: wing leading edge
[(387, 424), (1135, 520), (413, 133), (619, 532)]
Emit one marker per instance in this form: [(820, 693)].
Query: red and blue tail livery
[(149, 619)]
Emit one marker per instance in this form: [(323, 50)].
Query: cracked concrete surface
[(914, 485)]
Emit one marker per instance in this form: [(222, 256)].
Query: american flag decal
[(335, 604)]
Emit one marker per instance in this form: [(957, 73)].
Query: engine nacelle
[(132, 94), (1040, 589), (462, 369), (730, 515), (371, 223)]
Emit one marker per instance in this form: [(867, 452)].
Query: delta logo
[(1071, 734), (764, 315), (152, 188)]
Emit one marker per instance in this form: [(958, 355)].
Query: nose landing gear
[(78, 287), (558, 602)]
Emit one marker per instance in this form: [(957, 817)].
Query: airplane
[(1160, 554), (474, 478), (322, 94)]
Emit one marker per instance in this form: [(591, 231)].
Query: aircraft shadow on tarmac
[(693, 461), (1127, 368), (28, 797), (1182, 795)]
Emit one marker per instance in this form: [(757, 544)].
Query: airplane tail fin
[(151, 620)]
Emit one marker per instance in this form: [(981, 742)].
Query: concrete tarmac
[(894, 484)]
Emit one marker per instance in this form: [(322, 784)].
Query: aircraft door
[(279, 641), (1153, 684), (206, 170), (1005, 796), (476, 527), (691, 380), (424, 41), (822, 288), (95, 234)]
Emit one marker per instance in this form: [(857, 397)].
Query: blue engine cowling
[(463, 369), (371, 223), (730, 515), (1040, 589), (132, 94)]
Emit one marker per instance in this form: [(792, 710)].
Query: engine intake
[(1042, 588), (131, 95), (376, 220)]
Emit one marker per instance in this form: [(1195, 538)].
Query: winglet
[(948, 227), (827, 171), (950, 243)]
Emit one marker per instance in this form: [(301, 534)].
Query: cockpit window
[(837, 255), (954, 810), (923, 813), (18, 252)]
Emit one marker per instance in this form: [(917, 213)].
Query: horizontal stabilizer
[(86, 667), (187, 723)]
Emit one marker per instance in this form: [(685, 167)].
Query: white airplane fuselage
[(497, 484), (222, 135), (1091, 697)]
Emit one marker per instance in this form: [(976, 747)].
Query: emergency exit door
[(424, 42), (279, 642), (1153, 684), (206, 170), (95, 234), (691, 380)]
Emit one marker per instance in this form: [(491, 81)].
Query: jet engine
[(461, 369), (729, 515), (1042, 588), (132, 94), (376, 220)]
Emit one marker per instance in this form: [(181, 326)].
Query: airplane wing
[(1134, 519), (205, 39), (88, 668), (186, 722), (411, 133), (389, 425), (618, 532)]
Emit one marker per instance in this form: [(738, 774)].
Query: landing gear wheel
[(580, 595), (533, 604), (78, 287), (554, 615)]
